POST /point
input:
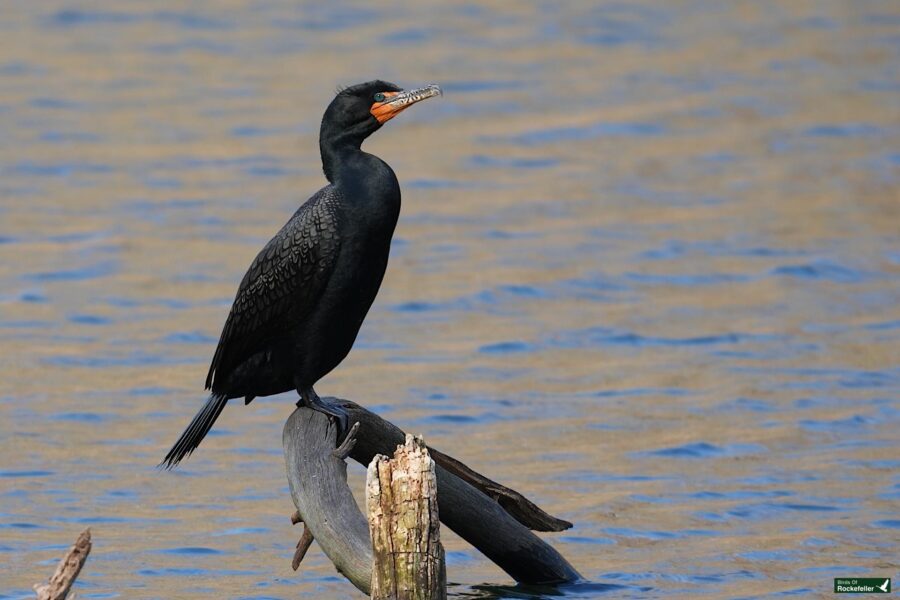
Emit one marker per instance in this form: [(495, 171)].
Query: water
[(646, 273)]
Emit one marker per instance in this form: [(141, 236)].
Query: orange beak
[(396, 102)]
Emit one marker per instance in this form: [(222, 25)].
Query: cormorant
[(300, 306)]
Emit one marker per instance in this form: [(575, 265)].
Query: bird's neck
[(340, 151), (335, 159), (344, 162), (367, 183)]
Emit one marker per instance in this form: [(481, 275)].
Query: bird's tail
[(196, 431)]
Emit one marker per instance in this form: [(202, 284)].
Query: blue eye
[(379, 97)]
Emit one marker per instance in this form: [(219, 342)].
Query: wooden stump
[(491, 517), (401, 502)]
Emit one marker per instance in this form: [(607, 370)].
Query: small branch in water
[(303, 545), (67, 570)]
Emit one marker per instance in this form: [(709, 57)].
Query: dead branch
[(68, 569)]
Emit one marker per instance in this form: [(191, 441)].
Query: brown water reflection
[(646, 272)]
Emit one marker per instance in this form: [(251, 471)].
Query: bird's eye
[(379, 97)]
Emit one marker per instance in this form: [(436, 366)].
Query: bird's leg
[(310, 399)]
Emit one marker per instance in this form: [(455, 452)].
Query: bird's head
[(360, 110)]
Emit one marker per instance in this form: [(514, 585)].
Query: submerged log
[(491, 517), (401, 504)]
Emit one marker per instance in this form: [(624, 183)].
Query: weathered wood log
[(381, 434), (402, 509), (317, 475), (67, 571), (471, 513), (318, 487), (521, 508)]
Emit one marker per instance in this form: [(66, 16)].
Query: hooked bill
[(396, 102)]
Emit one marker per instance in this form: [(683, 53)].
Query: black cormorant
[(300, 306)]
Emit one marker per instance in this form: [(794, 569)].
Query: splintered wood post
[(67, 570), (401, 502)]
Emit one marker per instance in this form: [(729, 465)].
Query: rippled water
[(646, 273)]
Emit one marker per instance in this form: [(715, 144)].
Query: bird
[(300, 305)]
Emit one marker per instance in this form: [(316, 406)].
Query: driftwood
[(317, 475), (69, 566), (401, 505), (491, 517)]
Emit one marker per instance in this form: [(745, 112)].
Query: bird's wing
[(282, 284)]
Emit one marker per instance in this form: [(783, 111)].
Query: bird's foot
[(341, 416), (311, 399)]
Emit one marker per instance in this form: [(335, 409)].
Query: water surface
[(646, 273)]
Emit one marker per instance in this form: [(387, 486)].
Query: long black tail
[(196, 431)]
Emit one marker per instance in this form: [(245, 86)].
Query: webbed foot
[(310, 398)]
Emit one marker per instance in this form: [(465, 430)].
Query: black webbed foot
[(311, 399)]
